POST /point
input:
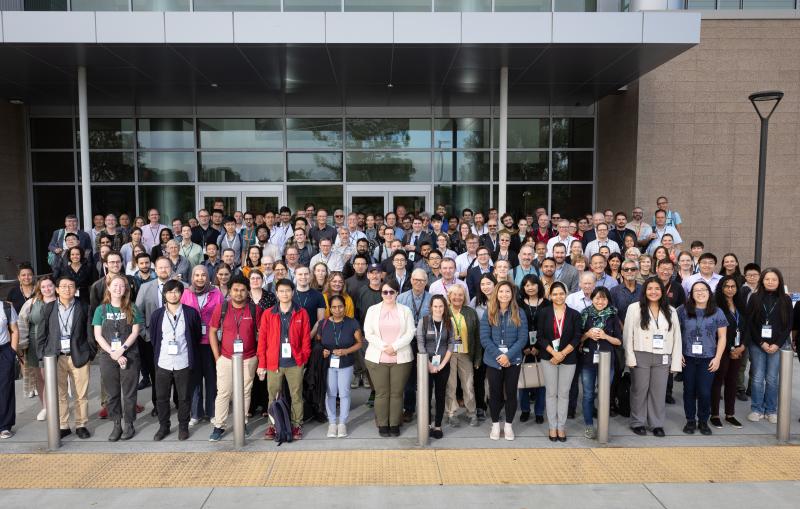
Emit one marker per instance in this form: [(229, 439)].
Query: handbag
[(531, 375)]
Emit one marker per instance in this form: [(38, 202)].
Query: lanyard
[(438, 335), (305, 301), (155, 233), (238, 321), (699, 329), (558, 326), (116, 319), (503, 325), (655, 317), (532, 319), (285, 317), (457, 322), (65, 323), (401, 281), (337, 337), (229, 243), (767, 313), (417, 310), (183, 251), (202, 303), (177, 319)]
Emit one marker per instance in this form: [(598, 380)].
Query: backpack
[(622, 396), (279, 414), (250, 304)]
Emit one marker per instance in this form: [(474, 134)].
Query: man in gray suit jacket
[(65, 336), (565, 272), (56, 246)]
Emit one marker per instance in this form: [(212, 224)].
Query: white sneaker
[(342, 430), (31, 394), (332, 430), (42, 415), (193, 422), (772, 418), (508, 431), (494, 434), (754, 416), (6, 434)]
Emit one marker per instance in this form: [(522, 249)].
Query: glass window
[(53, 166), (312, 5), (108, 133), (522, 200), (573, 165), (314, 166), (459, 197), (51, 133), (461, 166), (524, 133), (45, 5), (99, 5), (327, 196), (314, 132), (463, 5), (171, 201), (165, 133), (388, 166), (250, 133), (241, 166), (388, 5), (572, 200), (523, 5), (388, 133), (167, 167), (160, 5), (575, 6), (237, 5), (523, 166), (703, 4), (461, 133), (47, 218), (114, 200), (769, 4), (573, 132), (110, 166)]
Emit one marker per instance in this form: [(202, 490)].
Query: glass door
[(368, 202), (372, 198), (414, 199), (255, 198)]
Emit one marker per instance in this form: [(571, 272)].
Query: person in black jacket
[(559, 333), (728, 300), (768, 326)]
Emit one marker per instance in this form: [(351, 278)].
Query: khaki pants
[(461, 367), (294, 377), (80, 387), (225, 387)]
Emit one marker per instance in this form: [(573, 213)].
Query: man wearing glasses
[(673, 218), (491, 240), (563, 237), (641, 229)]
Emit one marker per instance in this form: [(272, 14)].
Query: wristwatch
[(124, 346)]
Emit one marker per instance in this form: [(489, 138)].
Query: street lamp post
[(765, 104)]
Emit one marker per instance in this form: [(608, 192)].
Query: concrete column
[(83, 124), (503, 160)]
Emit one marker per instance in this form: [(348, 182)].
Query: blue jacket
[(515, 338), (193, 333)]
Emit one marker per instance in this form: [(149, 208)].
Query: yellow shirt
[(460, 326)]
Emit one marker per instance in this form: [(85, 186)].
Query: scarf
[(598, 318)]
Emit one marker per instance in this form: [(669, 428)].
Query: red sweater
[(269, 337)]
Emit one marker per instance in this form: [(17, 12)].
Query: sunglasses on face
[(388, 292)]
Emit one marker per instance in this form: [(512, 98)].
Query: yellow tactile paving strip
[(393, 467)]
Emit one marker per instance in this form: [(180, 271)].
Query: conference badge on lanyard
[(238, 345)]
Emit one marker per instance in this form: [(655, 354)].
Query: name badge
[(459, 346), (596, 358), (766, 332), (203, 329), (503, 349), (238, 346), (697, 348), (172, 348), (116, 344), (437, 359), (665, 359), (738, 339), (77, 293), (556, 343), (219, 334), (65, 342), (532, 337), (658, 341), (286, 350), (334, 361)]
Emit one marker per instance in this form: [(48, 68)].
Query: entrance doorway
[(255, 198), (370, 198)]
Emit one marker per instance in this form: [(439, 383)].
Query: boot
[(116, 433), (129, 431)]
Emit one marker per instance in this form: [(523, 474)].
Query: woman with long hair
[(727, 299), (222, 281), (252, 260), (645, 268), (575, 250), (531, 301), (652, 341), (660, 253), (336, 286), (769, 321), (319, 276), (730, 267), (685, 267), (116, 325), (435, 337), (80, 270), (480, 303), (504, 333), (134, 239), (458, 239), (30, 322), (614, 267), (160, 249)]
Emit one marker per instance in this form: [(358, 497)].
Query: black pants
[(573, 389), (503, 389), (8, 402), (479, 380), (438, 387), (147, 359), (410, 391), (120, 385), (182, 379)]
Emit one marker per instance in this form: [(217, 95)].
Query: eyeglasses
[(492, 226), (629, 269), (661, 203), (388, 292), (413, 280), (338, 215)]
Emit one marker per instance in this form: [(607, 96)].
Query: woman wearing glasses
[(389, 330)]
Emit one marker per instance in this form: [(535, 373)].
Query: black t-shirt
[(311, 301), (339, 335)]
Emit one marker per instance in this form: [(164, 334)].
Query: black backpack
[(622, 395), (279, 412)]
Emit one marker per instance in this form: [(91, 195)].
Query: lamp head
[(765, 102)]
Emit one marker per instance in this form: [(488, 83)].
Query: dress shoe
[(690, 427), (658, 432), (639, 430), (82, 433), (562, 439), (65, 432), (716, 422), (384, 431), (524, 416), (669, 399), (154, 413), (116, 433), (160, 434), (394, 431), (143, 384), (129, 432), (741, 396), (539, 419), (704, 429), (183, 434)]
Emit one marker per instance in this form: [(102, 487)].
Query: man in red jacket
[(284, 345)]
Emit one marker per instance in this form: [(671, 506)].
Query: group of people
[(317, 310)]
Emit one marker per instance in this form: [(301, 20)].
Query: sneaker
[(297, 433), (332, 430), (82, 433), (704, 429), (139, 408), (481, 414), (772, 418), (453, 421), (216, 434), (383, 431), (690, 427), (5, 434), (365, 379), (193, 422), (755, 416), (716, 422), (270, 434), (371, 400), (143, 384), (540, 419), (508, 431), (42, 415), (103, 413), (589, 433), (494, 434), (524, 416), (733, 421), (437, 433), (741, 396), (31, 394), (341, 430), (354, 382), (659, 432), (394, 431), (473, 421)]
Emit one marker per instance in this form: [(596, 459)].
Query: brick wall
[(14, 207), (698, 139)]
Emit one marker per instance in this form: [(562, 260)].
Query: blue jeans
[(338, 384), (588, 381), (524, 397), (764, 389), (697, 382)]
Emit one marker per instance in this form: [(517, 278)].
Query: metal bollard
[(238, 400), (785, 396), (51, 401), (423, 405), (603, 396)]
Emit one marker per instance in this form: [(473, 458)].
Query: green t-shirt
[(109, 312)]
